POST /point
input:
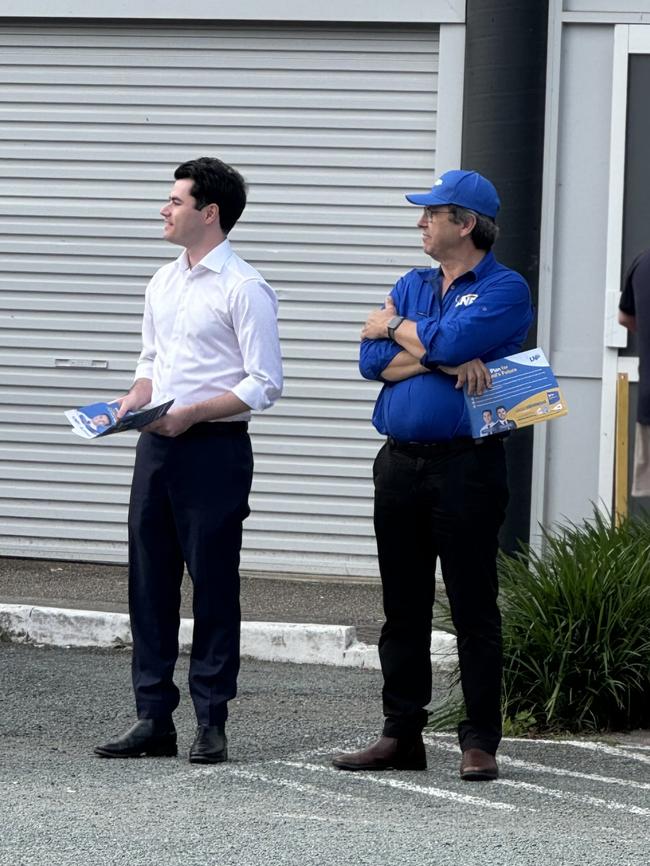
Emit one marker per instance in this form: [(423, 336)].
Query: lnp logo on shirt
[(465, 300)]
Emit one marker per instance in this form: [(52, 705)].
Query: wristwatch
[(393, 325)]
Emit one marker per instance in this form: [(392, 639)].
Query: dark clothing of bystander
[(635, 301)]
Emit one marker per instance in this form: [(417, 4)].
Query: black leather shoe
[(478, 766), (388, 753), (210, 745), (152, 737)]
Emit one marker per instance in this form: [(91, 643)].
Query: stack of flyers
[(524, 391), (100, 419)]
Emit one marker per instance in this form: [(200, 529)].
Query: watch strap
[(393, 325)]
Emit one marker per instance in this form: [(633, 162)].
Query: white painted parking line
[(592, 745), (326, 819), (301, 787), (576, 774), (534, 767), (586, 799), (615, 751), (439, 793)]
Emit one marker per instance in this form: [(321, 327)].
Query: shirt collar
[(213, 261), (484, 267), (480, 270)]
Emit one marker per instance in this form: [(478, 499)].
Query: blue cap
[(465, 188)]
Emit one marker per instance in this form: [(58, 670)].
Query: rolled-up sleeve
[(375, 356), (254, 317)]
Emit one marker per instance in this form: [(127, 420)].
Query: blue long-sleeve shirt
[(485, 313)]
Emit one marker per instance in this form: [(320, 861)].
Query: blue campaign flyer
[(524, 391), (100, 419)]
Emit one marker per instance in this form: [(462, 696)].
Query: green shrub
[(576, 630)]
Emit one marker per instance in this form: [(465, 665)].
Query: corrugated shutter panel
[(330, 126)]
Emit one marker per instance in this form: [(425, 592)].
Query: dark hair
[(484, 233), (214, 182), (501, 407)]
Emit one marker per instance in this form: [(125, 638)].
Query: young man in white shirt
[(210, 340)]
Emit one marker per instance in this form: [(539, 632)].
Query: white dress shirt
[(210, 330)]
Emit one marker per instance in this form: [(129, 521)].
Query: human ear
[(468, 225), (211, 213)]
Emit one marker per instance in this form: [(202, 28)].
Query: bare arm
[(177, 421), (403, 366), (627, 321)]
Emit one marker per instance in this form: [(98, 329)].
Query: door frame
[(628, 40)]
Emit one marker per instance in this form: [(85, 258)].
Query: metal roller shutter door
[(330, 126)]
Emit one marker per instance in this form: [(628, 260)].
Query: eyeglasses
[(430, 212)]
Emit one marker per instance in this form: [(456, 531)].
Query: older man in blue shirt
[(439, 494)]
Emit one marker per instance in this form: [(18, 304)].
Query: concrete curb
[(301, 643)]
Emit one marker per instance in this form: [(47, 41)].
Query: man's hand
[(181, 418), (175, 422), (138, 396), (377, 322), (474, 373), (128, 403)]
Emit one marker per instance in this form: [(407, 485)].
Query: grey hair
[(484, 233)]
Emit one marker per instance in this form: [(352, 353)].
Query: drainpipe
[(503, 138)]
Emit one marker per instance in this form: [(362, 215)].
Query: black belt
[(218, 428), (437, 449)]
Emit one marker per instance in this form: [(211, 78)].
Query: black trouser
[(444, 501), (189, 498)]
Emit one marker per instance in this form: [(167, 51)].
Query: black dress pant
[(445, 501), (189, 498)]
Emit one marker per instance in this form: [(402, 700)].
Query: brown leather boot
[(478, 766), (388, 753)]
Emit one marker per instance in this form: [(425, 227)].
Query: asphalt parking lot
[(278, 801)]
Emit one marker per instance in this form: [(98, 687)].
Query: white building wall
[(338, 11), (603, 11), (580, 243), (574, 261)]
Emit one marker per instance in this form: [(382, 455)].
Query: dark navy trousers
[(447, 502), (189, 498)]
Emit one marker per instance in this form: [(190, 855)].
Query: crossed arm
[(407, 362)]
